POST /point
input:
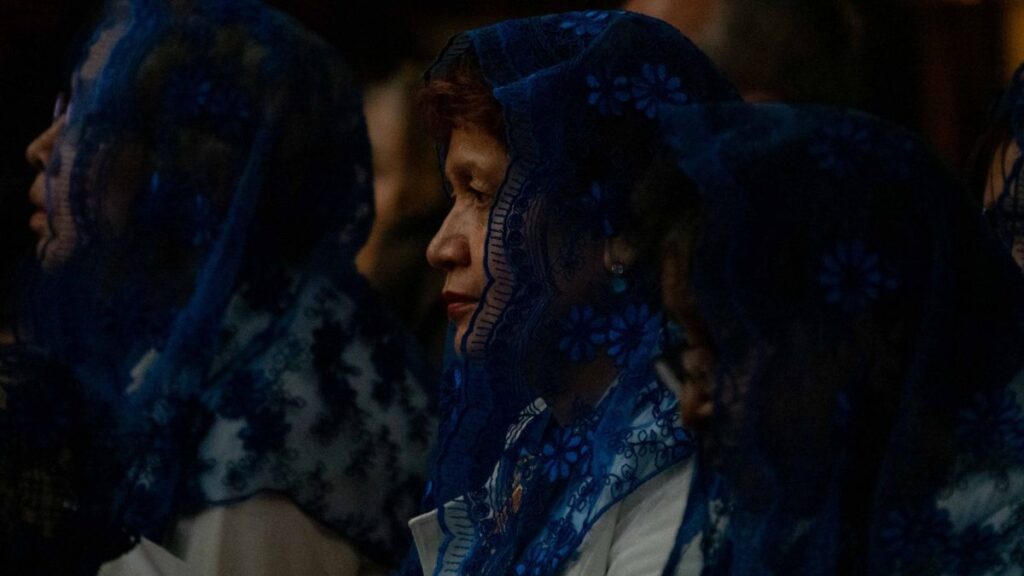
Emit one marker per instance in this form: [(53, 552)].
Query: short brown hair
[(461, 95)]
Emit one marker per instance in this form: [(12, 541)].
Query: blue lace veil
[(580, 95), (208, 193), (868, 332)]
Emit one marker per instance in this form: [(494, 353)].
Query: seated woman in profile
[(997, 167), (854, 355), (201, 202), (559, 445)]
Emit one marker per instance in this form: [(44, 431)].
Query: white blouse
[(632, 538), (265, 535)]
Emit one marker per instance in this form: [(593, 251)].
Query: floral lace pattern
[(218, 166), (558, 462), (861, 434), (579, 93)]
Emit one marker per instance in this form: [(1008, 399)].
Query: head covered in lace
[(207, 195), (867, 332), (1006, 210), (579, 94)]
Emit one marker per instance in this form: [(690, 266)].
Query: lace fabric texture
[(867, 330), (208, 194), (580, 94)]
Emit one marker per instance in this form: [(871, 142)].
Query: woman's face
[(1002, 162), (51, 214), (475, 171), (52, 154), (998, 170), (695, 361)]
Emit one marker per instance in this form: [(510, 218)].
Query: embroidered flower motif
[(911, 536), (561, 455), (589, 23), (839, 147), (581, 332), (627, 331), (624, 480), (608, 93), (655, 86), (853, 278)]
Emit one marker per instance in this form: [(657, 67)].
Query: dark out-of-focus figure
[(790, 50), (200, 199), (858, 369), (995, 175)]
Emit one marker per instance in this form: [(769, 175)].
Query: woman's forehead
[(473, 150), (99, 53)]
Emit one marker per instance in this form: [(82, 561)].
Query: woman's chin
[(460, 333)]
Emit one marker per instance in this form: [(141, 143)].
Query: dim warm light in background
[(1013, 35)]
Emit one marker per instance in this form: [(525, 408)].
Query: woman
[(201, 202), (856, 356), (558, 440), (997, 165)]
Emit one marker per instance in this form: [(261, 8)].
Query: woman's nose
[(449, 249), (39, 150)]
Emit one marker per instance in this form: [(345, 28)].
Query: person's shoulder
[(647, 522), (664, 493)]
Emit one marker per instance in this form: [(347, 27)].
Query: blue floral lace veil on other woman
[(207, 195), (580, 95), (867, 330)]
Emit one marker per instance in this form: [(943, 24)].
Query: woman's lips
[(459, 305), (39, 223)]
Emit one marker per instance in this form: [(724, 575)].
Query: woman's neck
[(582, 387)]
